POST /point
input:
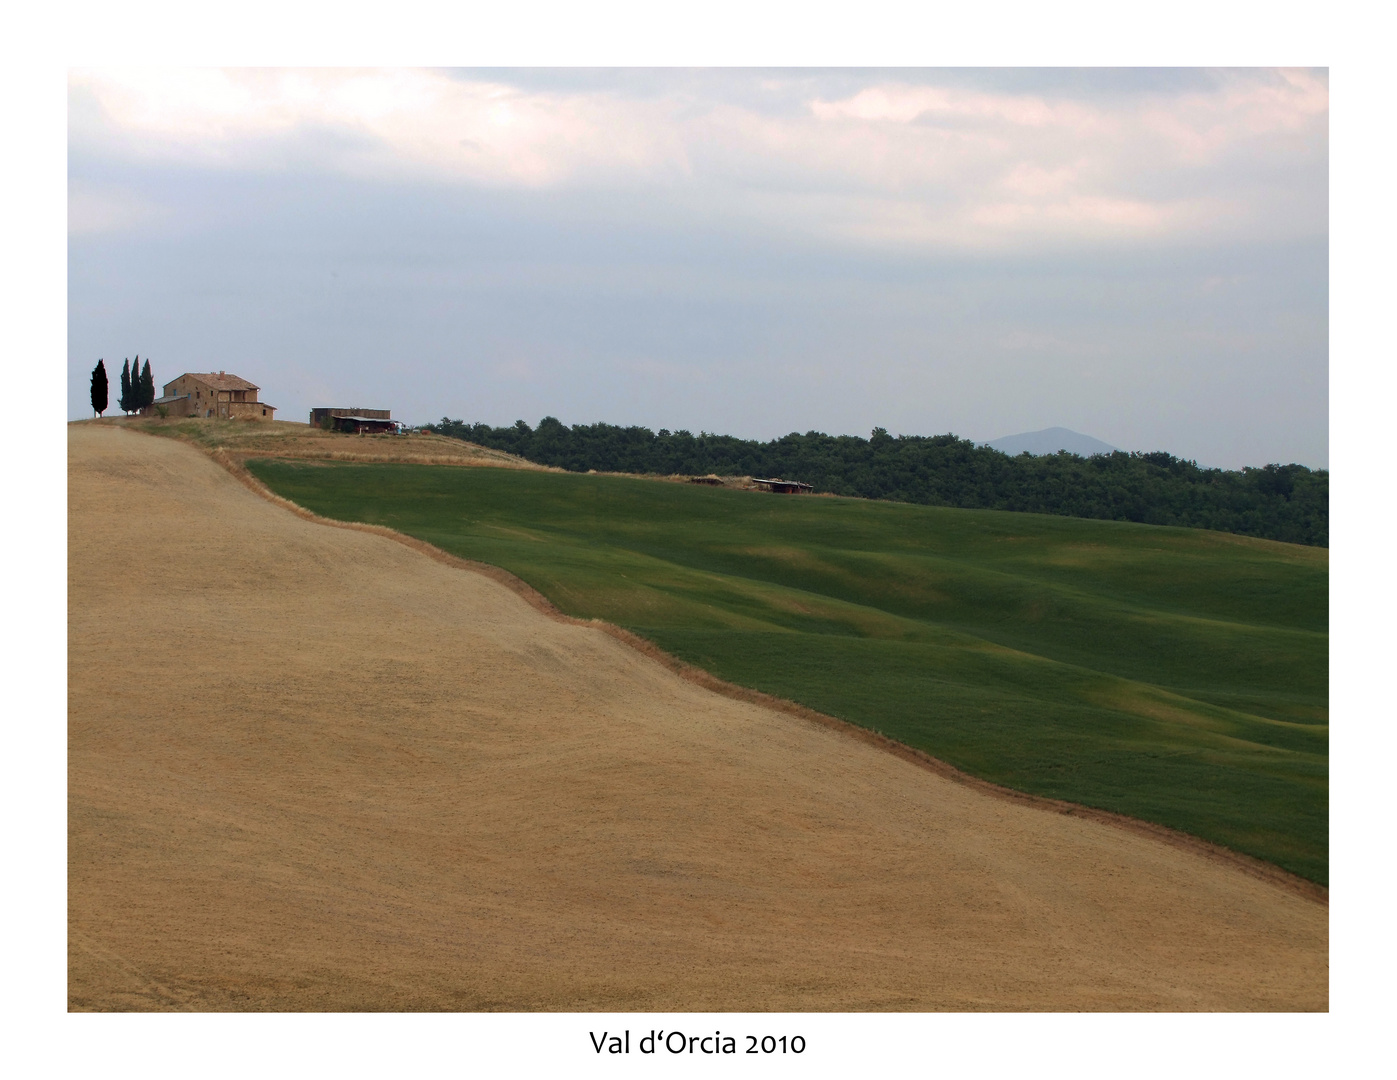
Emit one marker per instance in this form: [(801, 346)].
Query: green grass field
[(1174, 675)]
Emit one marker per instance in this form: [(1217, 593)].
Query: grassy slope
[(1175, 675)]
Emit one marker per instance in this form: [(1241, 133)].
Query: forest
[(1276, 502)]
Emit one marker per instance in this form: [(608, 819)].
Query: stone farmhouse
[(212, 393)]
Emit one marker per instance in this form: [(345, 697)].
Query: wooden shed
[(785, 487), (356, 421)]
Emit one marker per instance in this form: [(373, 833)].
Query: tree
[(147, 387), (124, 402), (99, 388)]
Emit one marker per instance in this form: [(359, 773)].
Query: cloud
[(923, 162), (93, 209), (399, 122)]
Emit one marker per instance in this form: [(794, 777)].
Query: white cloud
[(906, 104), (411, 121), (891, 163)]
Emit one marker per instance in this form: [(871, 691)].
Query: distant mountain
[(1050, 441)]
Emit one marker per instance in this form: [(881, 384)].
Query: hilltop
[(241, 439), (1050, 441)]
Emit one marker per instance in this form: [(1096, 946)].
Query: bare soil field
[(313, 768)]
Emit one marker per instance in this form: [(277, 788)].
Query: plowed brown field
[(311, 768)]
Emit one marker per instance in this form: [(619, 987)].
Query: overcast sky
[(1140, 255)]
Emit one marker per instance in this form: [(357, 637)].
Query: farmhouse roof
[(220, 381)]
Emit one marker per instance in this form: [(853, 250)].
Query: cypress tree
[(147, 386), (124, 402), (99, 388)]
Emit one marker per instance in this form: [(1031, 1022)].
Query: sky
[(1137, 254)]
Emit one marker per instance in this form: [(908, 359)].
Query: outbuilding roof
[(776, 482)]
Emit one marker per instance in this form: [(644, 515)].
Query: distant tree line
[(1277, 502)]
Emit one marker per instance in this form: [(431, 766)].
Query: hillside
[(1174, 675), (1276, 502), (312, 768)]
